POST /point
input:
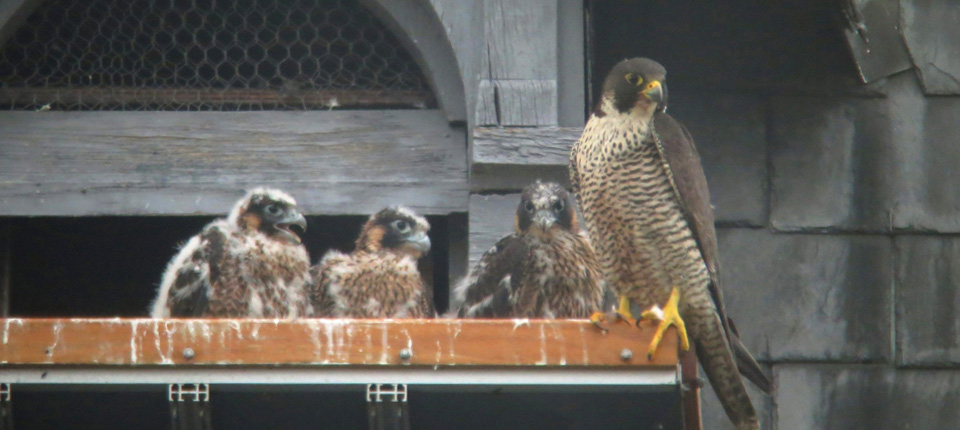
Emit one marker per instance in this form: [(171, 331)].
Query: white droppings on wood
[(255, 331), (455, 327), (384, 344), (520, 322), (409, 339), (439, 354), (6, 328), (134, 352), (164, 359), (57, 327), (559, 340), (235, 325), (583, 348), (314, 326), (543, 347)]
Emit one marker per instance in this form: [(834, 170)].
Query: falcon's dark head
[(545, 206), (396, 229), (272, 212), (635, 83)]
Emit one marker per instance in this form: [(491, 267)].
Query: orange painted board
[(439, 342)]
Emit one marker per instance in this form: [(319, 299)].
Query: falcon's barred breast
[(380, 278), (546, 269), (250, 264), (645, 202)]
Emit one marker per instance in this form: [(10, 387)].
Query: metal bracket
[(6, 407), (199, 392), (387, 407), (189, 406)]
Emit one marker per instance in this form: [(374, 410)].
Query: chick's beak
[(653, 91), (420, 242), (544, 219), (292, 218)]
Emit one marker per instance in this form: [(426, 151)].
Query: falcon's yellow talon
[(671, 316)]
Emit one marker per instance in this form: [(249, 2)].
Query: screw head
[(188, 353), (406, 354), (626, 354)]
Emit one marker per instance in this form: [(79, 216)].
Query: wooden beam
[(111, 97), (146, 163), (441, 342), (491, 218), (508, 158)]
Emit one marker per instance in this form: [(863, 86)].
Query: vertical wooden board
[(571, 82), (491, 218), (521, 39), (527, 102), (486, 110)]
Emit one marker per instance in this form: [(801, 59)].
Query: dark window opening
[(206, 55), (111, 266), (757, 46)]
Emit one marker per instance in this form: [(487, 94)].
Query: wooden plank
[(140, 163), (487, 111), (507, 159), (520, 63), (521, 38), (105, 96), (491, 218), (443, 342), (571, 82), (542, 146), (692, 418), (527, 102), (517, 103)]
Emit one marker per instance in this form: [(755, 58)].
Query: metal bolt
[(406, 354), (626, 354), (188, 353)]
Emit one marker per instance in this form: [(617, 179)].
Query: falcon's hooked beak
[(419, 242), (285, 226), (545, 219), (653, 91)]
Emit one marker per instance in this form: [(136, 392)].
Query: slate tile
[(809, 296)]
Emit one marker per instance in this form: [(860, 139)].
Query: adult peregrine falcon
[(380, 278), (250, 264), (546, 269), (645, 203)]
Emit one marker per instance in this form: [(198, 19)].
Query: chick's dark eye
[(529, 206), (558, 206), (401, 225), (272, 209)]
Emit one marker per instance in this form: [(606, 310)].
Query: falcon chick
[(645, 202), (546, 269), (380, 278), (251, 264)]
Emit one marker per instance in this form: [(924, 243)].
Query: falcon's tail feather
[(746, 364)]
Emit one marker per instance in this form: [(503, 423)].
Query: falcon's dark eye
[(401, 225), (272, 210), (633, 79), (558, 206), (528, 205)]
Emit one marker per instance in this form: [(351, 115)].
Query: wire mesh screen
[(206, 55)]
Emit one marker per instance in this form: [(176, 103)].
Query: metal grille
[(206, 55)]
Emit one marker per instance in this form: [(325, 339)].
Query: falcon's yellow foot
[(621, 314), (670, 315)]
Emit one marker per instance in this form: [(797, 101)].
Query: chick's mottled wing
[(690, 184), (192, 273), (489, 290)]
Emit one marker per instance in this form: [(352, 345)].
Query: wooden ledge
[(440, 342)]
